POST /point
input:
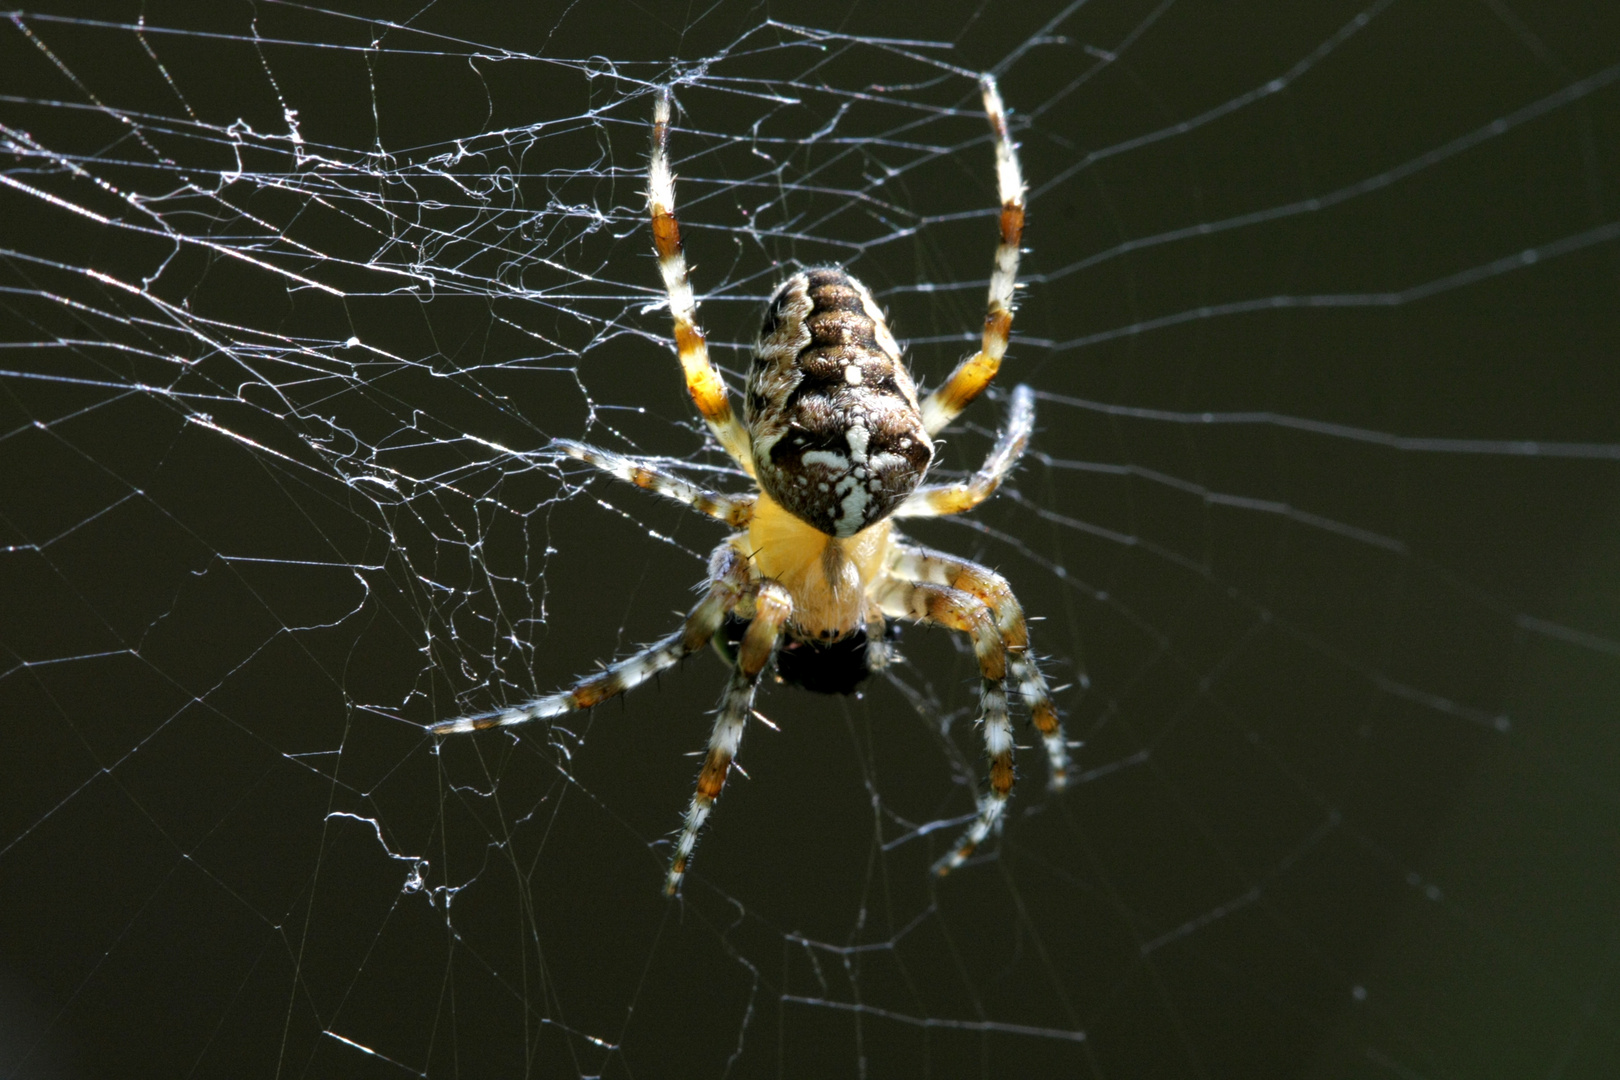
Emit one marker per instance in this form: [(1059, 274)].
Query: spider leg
[(734, 510), (728, 583), (704, 383), (879, 653), (919, 564), (940, 500), (941, 605), (772, 606), (974, 374)]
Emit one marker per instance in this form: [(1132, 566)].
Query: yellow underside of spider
[(829, 578)]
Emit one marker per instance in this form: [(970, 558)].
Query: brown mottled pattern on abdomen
[(838, 438)]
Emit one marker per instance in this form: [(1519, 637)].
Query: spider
[(838, 445)]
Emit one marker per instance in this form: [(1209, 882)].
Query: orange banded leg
[(941, 605), (940, 500), (913, 563), (974, 374), (704, 383), (734, 510), (772, 606), (728, 582)]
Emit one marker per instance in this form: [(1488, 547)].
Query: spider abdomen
[(838, 437)]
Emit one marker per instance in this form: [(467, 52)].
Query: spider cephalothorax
[(839, 445)]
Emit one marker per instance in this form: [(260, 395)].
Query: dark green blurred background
[(1321, 524)]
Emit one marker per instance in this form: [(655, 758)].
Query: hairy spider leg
[(707, 388), (912, 563), (941, 605), (734, 510), (728, 584), (773, 605), (879, 652), (941, 500), (974, 374)]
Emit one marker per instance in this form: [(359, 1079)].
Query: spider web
[(1319, 524)]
